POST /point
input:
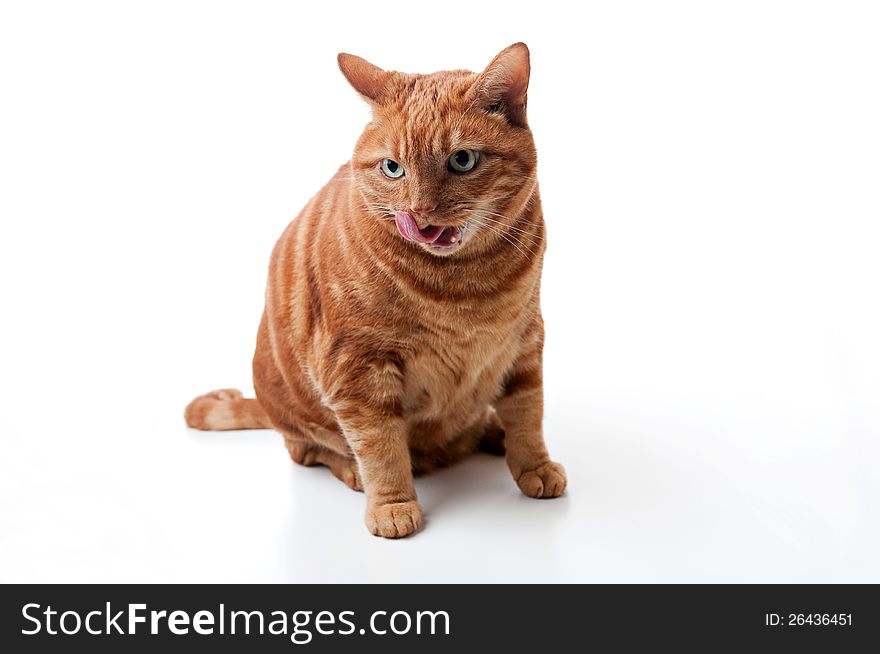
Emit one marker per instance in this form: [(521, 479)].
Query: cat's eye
[(462, 161), (391, 168)]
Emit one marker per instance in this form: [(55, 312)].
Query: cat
[(402, 329)]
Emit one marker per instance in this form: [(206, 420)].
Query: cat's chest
[(453, 380)]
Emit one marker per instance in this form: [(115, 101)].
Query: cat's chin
[(442, 251), (450, 240)]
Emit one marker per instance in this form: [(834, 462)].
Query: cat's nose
[(425, 208)]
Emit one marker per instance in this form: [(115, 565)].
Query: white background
[(710, 178)]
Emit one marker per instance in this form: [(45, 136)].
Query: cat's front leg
[(521, 410), (379, 443), (371, 417)]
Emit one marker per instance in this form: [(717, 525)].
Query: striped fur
[(380, 357)]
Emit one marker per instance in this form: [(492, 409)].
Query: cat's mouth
[(442, 237)]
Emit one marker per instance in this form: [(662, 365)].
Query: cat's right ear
[(367, 79)]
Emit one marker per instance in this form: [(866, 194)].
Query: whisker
[(509, 226), (523, 232), (480, 206), (533, 239), (383, 210), (504, 236)]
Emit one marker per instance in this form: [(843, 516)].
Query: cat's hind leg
[(311, 454), (491, 440), (485, 435)]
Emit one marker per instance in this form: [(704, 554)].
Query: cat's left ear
[(505, 82), (368, 80)]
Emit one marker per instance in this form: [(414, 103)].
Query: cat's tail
[(225, 409)]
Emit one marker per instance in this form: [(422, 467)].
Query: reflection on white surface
[(655, 495)]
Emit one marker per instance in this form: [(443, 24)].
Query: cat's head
[(448, 157)]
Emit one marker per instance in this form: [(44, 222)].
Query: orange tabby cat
[(402, 327)]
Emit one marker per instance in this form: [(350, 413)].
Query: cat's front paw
[(547, 480), (394, 520)]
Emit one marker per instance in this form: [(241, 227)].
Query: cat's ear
[(505, 82), (367, 79)]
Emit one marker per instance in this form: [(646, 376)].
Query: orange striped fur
[(382, 357)]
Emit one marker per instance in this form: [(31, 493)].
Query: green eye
[(463, 161), (391, 168)]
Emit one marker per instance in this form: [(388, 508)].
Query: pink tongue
[(408, 228)]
